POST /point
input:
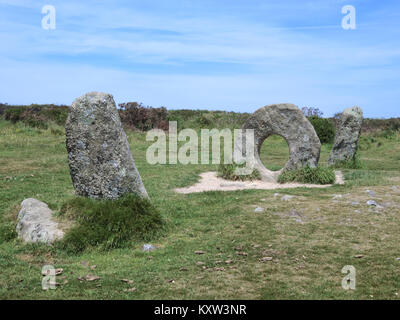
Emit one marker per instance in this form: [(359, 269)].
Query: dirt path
[(210, 182)]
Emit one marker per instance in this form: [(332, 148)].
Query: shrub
[(137, 116), (38, 116), (317, 175), (324, 128), (13, 115), (109, 223), (227, 171)]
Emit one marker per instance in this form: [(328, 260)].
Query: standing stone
[(347, 135), (36, 224), (100, 161), (287, 121)]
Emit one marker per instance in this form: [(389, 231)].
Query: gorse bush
[(109, 224), (324, 128), (227, 171), (317, 175)]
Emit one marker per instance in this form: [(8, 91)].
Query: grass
[(307, 257), (109, 224), (353, 163), (317, 175), (227, 171)]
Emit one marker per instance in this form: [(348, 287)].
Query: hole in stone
[(274, 153)]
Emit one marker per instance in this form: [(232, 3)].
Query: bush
[(227, 171), (37, 116), (324, 128), (109, 223), (136, 116), (317, 175)]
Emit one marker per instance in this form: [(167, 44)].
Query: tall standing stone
[(100, 161), (347, 134)]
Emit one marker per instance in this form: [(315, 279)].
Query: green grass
[(307, 257), (317, 175), (353, 163), (227, 171), (109, 224)]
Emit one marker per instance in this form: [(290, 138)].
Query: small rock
[(287, 197), (394, 188), (266, 259), (371, 193), (355, 203), (127, 281), (258, 209), (373, 203), (337, 196), (199, 252), (276, 195), (359, 256), (91, 277), (357, 211), (148, 247)]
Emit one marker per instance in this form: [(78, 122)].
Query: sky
[(234, 55)]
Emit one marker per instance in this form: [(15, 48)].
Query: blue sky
[(235, 55)]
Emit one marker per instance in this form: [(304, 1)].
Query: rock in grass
[(347, 135), (258, 209), (371, 193), (100, 161), (36, 224), (374, 204), (148, 247), (287, 197)]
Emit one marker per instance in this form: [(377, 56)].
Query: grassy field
[(310, 238)]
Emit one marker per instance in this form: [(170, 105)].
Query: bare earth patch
[(211, 182)]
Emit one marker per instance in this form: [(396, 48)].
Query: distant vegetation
[(136, 116), (324, 128)]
